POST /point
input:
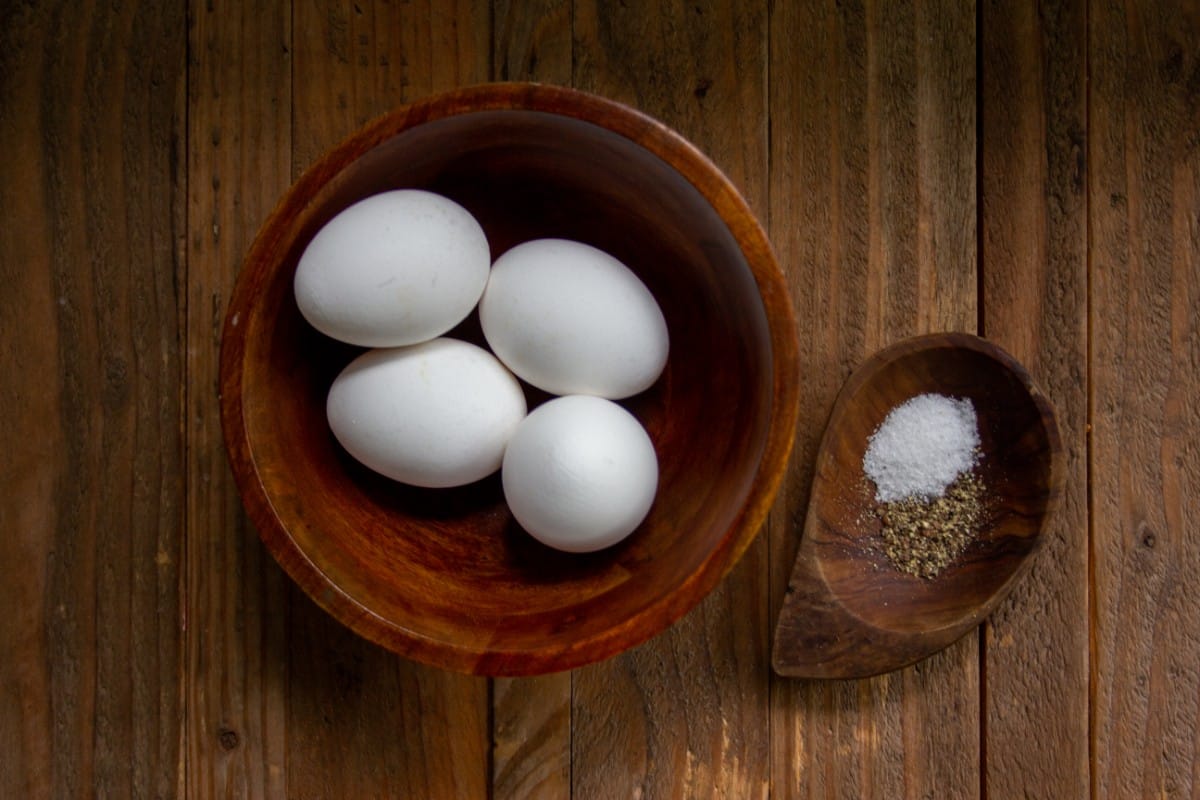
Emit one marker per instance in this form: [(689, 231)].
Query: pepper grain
[(922, 536)]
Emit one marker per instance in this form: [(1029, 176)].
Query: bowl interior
[(447, 575), (1016, 470)]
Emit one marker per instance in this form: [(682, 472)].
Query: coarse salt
[(921, 447)]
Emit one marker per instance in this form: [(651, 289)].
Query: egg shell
[(393, 269), (572, 319), (580, 473), (434, 414)]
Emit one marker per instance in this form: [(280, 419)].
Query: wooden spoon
[(848, 611)]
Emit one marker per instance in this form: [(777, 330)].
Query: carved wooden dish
[(446, 576), (848, 611)]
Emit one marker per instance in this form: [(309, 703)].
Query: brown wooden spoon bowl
[(446, 576), (848, 611)]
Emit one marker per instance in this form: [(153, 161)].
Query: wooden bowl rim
[(752, 240)]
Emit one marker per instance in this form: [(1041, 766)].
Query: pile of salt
[(921, 447)]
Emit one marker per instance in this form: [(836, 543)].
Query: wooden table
[(1031, 174)]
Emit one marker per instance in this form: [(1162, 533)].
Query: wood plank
[(239, 146), (36, 463), (531, 717), (91, 207), (361, 721), (872, 197), (532, 41), (1144, 262), (356, 60), (1034, 267), (531, 737), (685, 714)]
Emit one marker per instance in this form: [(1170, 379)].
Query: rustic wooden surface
[(1033, 251), (1026, 171), (873, 211)]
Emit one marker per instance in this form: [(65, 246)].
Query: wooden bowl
[(848, 611), (446, 576)]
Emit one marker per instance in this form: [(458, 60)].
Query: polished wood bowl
[(446, 576), (848, 612)]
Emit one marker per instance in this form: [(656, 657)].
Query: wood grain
[(362, 721), (532, 41), (685, 714), (239, 148), (356, 60), (36, 464), (531, 717), (1033, 153), (90, 212), (873, 211), (531, 737), (1144, 257)]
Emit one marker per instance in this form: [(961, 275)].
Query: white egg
[(396, 268), (580, 473), (433, 414), (571, 319)]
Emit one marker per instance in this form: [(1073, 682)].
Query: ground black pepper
[(922, 536)]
